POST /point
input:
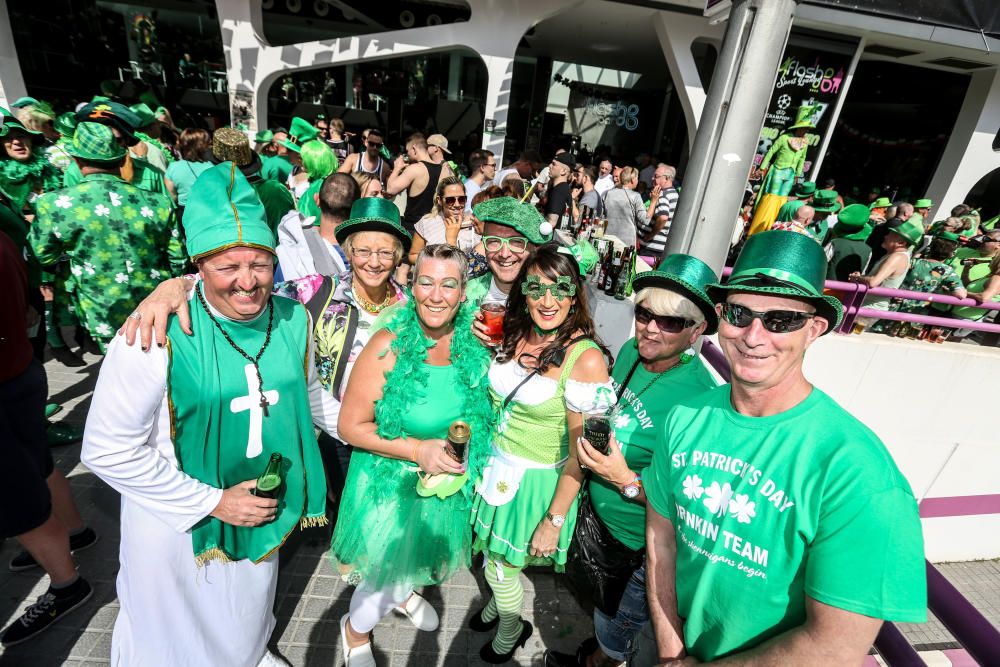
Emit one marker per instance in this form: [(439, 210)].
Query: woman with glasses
[(447, 221), (654, 371), (525, 507)]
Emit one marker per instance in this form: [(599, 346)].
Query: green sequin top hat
[(299, 133), (923, 203), (687, 276), (803, 117), (805, 189), (910, 230), (524, 218), (263, 137), (223, 211), (144, 113), (9, 121), (374, 214), (95, 143), (825, 201), (881, 202), (66, 124), (783, 264)]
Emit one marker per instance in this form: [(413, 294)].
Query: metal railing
[(967, 625)]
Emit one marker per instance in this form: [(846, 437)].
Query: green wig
[(318, 159)]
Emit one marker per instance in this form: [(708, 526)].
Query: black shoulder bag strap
[(555, 357)]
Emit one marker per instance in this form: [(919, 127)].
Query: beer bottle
[(624, 278), (459, 435), (612, 276), (269, 483)]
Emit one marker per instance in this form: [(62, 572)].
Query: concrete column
[(969, 154), (11, 79), (500, 70), (729, 129), (454, 76)]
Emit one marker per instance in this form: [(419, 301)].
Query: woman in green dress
[(404, 516), (525, 507)]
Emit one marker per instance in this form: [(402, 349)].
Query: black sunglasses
[(665, 323), (775, 321)]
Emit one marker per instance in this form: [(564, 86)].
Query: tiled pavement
[(311, 600)]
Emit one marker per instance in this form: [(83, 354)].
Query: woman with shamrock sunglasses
[(525, 507)]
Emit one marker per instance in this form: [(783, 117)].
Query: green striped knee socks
[(508, 597)]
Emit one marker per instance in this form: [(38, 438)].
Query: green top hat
[(912, 231), (852, 223), (782, 264), (95, 143), (299, 133), (66, 124), (803, 117), (805, 189), (524, 218), (687, 276), (825, 201), (881, 202), (923, 203), (144, 113), (9, 121), (374, 214), (223, 211), (263, 137)]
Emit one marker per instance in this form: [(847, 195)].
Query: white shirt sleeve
[(324, 407), (124, 442)]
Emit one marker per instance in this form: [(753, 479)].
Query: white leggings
[(369, 606)]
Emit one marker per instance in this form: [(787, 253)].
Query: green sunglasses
[(563, 287)]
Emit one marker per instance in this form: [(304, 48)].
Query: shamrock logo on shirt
[(742, 508), (621, 421), (718, 498), (692, 487)]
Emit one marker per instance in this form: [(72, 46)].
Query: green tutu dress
[(531, 438), (387, 534)]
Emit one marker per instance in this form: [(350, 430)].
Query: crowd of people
[(300, 350)]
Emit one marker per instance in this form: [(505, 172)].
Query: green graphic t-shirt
[(768, 510), (643, 405)]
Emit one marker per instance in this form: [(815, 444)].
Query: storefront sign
[(623, 115), (806, 76)]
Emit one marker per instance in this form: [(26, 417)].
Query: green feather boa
[(167, 153), (471, 362)]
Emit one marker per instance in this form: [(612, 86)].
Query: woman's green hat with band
[(223, 211), (374, 214), (687, 276), (783, 264)]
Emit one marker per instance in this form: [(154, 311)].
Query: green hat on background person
[(687, 276), (782, 264), (9, 121), (852, 223), (948, 236), (881, 202), (374, 214), (94, 142), (23, 102), (583, 253), (923, 203), (825, 201), (65, 124), (144, 113), (263, 137), (524, 218), (805, 189), (113, 114), (299, 133), (223, 211), (803, 117), (911, 231)]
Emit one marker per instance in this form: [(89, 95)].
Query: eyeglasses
[(563, 287), (452, 200), (364, 254), (516, 244), (665, 323), (775, 321)]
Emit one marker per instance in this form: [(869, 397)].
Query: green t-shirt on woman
[(644, 403), (768, 510)]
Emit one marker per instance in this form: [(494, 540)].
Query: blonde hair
[(444, 252), (629, 175), (363, 179), (397, 245), (33, 117), (662, 301)]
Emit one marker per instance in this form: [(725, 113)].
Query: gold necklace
[(373, 308)]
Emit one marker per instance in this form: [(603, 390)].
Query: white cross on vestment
[(251, 402)]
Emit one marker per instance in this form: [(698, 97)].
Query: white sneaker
[(273, 660), (420, 612), (359, 656)]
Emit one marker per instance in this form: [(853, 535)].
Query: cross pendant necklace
[(263, 401)]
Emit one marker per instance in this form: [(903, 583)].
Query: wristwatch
[(631, 490), (557, 519)]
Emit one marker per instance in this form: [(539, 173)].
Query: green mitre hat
[(687, 276), (374, 214), (299, 133), (782, 264), (524, 218), (95, 143), (223, 211), (9, 121)]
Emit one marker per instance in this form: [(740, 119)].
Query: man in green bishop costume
[(184, 430)]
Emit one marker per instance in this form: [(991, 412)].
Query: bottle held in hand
[(269, 483), (459, 434), (597, 430)]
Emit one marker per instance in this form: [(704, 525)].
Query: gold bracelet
[(416, 444)]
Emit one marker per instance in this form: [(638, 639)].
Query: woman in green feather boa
[(25, 173), (415, 378)]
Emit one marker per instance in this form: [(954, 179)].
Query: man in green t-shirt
[(779, 529)]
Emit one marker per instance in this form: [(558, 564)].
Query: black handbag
[(598, 566)]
